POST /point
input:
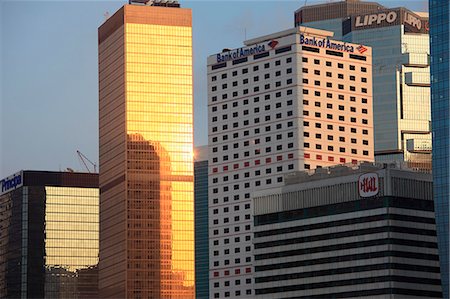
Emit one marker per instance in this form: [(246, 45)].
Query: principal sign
[(11, 183), (368, 185)]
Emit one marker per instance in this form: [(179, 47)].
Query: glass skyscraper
[(146, 153), (440, 113), (49, 235), (201, 223)]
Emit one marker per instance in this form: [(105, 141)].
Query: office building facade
[(146, 152), (440, 104), (401, 87), (49, 224), (288, 101), (347, 232), (201, 222)]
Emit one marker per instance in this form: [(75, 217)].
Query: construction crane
[(83, 159)]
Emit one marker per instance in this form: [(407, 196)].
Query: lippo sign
[(378, 18), (411, 21), (368, 185)]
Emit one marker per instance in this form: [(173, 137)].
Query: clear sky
[(49, 81)]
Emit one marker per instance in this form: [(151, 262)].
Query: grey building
[(342, 232), (201, 222), (401, 86)]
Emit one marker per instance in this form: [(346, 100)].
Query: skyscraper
[(146, 154), (201, 223), (49, 225), (287, 101), (401, 85), (440, 113)]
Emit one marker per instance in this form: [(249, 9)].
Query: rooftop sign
[(368, 185), (326, 43), (240, 53), (392, 17), (11, 183)]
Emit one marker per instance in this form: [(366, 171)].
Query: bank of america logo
[(273, 44), (361, 49)]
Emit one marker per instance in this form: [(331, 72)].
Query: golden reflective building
[(146, 154)]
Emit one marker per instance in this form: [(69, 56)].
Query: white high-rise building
[(287, 101), (401, 74)]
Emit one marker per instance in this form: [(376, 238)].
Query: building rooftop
[(163, 3), (335, 10), (346, 169), (339, 184), (201, 153)]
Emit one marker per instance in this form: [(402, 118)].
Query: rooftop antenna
[(85, 159), (106, 15)]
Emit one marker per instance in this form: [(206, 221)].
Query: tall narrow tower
[(146, 159), (440, 117)]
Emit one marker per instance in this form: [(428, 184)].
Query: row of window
[(236, 271), (257, 172), (330, 159), (247, 184), (341, 128), (227, 220), (340, 87), (225, 178), (341, 149), (255, 121), (236, 282), (340, 107), (246, 102), (329, 84), (257, 110), (258, 151), (236, 293), (236, 250), (255, 89), (246, 91), (227, 230), (330, 64), (330, 116), (257, 161), (341, 97), (331, 137)]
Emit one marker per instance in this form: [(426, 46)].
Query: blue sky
[(49, 81)]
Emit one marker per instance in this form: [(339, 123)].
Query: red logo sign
[(361, 49), (368, 185), (273, 43)]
